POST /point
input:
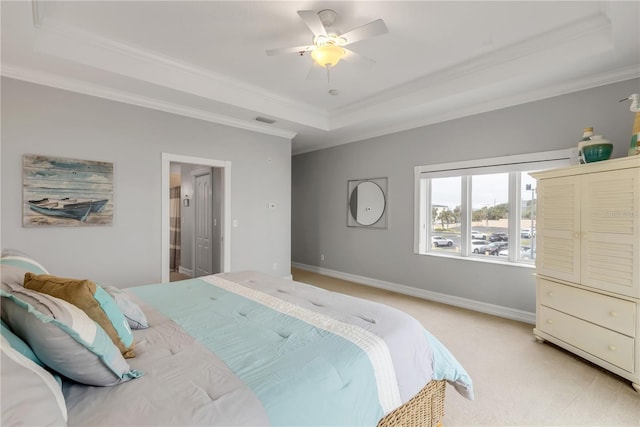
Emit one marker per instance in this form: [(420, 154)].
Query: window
[(445, 213), (481, 209)]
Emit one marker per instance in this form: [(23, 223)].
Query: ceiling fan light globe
[(320, 40), (328, 55)]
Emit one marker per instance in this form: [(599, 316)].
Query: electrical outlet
[(275, 266), (321, 257)]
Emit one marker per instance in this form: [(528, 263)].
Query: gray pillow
[(30, 395), (63, 337)]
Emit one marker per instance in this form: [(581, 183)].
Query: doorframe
[(167, 158)]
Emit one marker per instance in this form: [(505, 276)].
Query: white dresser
[(588, 263)]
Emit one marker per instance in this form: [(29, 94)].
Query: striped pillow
[(91, 299), (24, 263), (18, 345), (64, 337)]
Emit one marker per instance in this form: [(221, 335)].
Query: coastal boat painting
[(62, 192)]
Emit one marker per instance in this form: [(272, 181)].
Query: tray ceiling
[(438, 61)]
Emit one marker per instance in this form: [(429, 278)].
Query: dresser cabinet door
[(558, 235), (610, 237)]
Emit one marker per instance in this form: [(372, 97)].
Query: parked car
[(526, 233), (499, 237), (525, 252), (477, 244), (492, 248), (475, 234), (438, 241)]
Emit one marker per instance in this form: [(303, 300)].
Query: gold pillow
[(91, 299)]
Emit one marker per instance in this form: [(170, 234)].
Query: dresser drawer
[(612, 313), (605, 344)]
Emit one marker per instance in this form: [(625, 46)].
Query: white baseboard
[(482, 307), (186, 271)]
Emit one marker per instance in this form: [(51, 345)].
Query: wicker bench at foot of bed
[(425, 409)]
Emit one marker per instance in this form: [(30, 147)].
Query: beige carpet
[(517, 381)]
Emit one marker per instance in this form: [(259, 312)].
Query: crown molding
[(79, 46), (99, 91), (622, 74), (586, 36), (426, 101)]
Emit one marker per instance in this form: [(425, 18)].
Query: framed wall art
[(62, 192)]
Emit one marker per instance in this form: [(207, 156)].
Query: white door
[(203, 202)]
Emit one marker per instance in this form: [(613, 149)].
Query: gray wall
[(319, 191), (42, 120)]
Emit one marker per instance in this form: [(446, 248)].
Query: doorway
[(206, 194)]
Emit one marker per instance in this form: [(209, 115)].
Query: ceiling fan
[(328, 47)]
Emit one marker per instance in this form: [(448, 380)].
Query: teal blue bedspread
[(315, 371)]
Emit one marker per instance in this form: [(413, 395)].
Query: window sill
[(487, 260)]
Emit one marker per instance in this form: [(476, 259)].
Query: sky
[(487, 190)]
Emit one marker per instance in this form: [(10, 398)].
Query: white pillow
[(29, 394), (132, 312)]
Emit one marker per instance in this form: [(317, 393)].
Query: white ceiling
[(440, 59)]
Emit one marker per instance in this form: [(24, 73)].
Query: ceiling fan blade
[(313, 21), (371, 29), (359, 60), (293, 49)]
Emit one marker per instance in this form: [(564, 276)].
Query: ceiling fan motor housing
[(327, 17)]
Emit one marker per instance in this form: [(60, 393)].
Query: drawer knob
[(550, 321), (613, 314), (613, 348), (550, 293)]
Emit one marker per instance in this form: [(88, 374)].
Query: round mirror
[(367, 203)]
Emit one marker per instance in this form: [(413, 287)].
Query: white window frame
[(513, 165)]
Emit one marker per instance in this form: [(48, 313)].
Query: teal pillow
[(64, 337)]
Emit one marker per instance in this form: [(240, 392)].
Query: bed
[(249, 349)]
